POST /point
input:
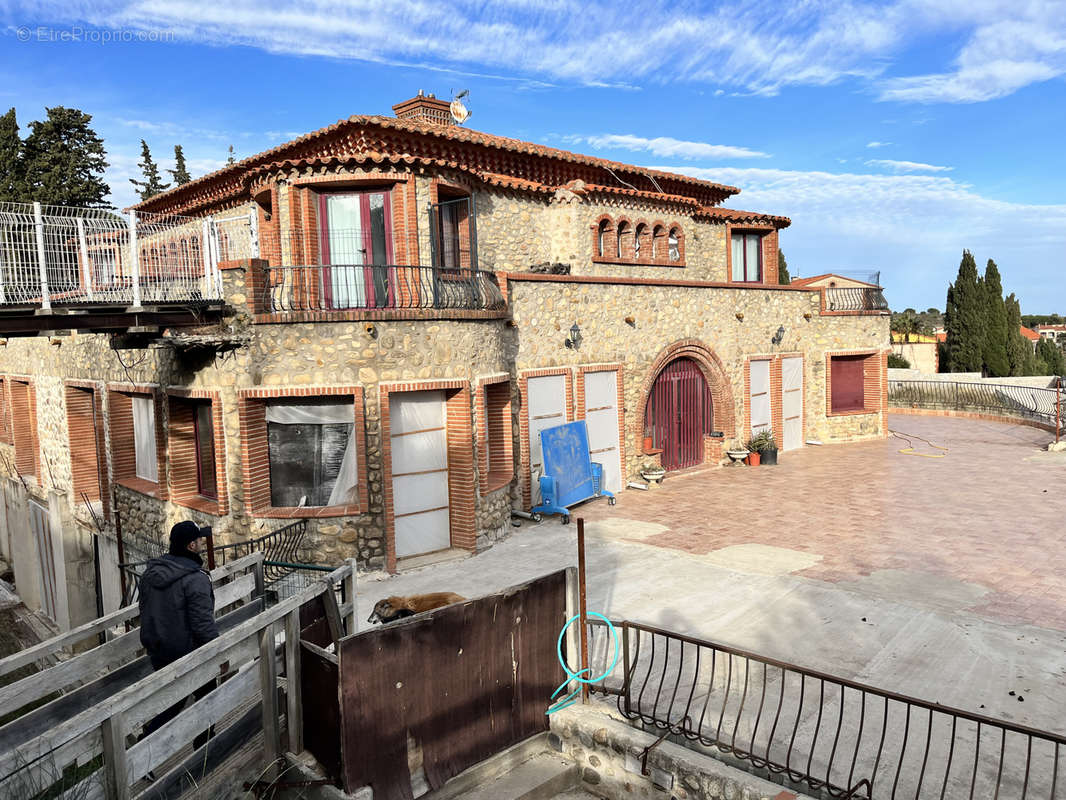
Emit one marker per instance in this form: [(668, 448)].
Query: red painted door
[(679, 413)]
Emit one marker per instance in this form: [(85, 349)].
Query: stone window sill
[(497, 480), (853, 412), (140, 485), (198, 503), (305, 512), (627, 263)]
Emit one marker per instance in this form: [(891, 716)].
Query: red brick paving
[(983, 514)]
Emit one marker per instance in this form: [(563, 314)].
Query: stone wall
[(544, 310)]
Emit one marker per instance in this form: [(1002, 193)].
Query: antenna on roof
[(460, 113)]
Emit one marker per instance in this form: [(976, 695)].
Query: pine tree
[(152, 183), (783, 277), (963, 319), (179, 173), (64, 161), (996, 363), (1018, 348), (231, 158), (10, 159)]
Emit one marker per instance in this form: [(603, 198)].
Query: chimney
[(425, 108)]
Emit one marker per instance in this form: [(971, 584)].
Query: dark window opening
[(204, 433)]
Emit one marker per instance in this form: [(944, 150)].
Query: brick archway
[(713, 371)]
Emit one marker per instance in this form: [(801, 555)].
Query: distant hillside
[(1032, 320), (930, 318)]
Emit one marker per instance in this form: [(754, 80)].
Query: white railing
[(61, 256)]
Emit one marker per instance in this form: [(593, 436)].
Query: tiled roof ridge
[(236, 171)]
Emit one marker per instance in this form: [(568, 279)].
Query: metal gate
[(679, 413)]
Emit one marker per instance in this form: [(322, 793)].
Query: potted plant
[(762, 448), (651, 472)]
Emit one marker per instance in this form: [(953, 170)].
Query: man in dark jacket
[(177, 607)]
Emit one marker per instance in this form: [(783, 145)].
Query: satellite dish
[(460, 113)]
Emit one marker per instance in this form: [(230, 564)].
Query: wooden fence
[(451, 686), (80, 742)]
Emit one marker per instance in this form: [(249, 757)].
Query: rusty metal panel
[(461, 683), (318, 686)]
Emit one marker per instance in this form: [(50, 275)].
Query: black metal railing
[(855, 299), (1047, 406), (279, 547), (334, 288), (816, 731)]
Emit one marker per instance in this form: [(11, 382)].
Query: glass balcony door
[(357, 247)]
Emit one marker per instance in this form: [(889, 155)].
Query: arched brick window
[(675, 245), (641, 243), (603, 237), (658, 243), (624, 251)]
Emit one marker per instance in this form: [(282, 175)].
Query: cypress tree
[(996, 363), (10, 159), (231, 158), (963, 319), (179, 173), (64, 161), (1018, 348), (783, 277), (152, 183)]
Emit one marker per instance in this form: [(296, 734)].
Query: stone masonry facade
[(539, 220)]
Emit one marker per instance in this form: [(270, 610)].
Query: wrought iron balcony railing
[(855, 299)]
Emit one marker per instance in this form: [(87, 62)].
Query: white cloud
[(912, 228), (667, 147), (757, 48), (906, 166), (878, 144)]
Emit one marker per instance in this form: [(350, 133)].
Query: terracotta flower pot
[(753, 459), (647, 444)]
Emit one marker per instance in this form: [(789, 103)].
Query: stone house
[(404, 304)]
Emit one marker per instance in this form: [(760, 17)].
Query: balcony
[(98, 269), (855, 299)]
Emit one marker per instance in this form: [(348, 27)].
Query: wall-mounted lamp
[(740, 316), (778, 336), (573, 341)]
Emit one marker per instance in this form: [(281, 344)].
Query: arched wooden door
[(679, 413)]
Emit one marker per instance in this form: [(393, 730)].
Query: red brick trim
[(874, 382), (5, 413), (494, 433), (341, 180), (609, 279), (120, 434), (629, 258), (524, 469), (384, 314), (85, 423), (461, 499), (255, 458), (777, 417), (579, 406), (714, 373), (182, 477)]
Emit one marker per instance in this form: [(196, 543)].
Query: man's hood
[(163, 571)]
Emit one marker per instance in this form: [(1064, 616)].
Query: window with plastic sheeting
[(144, 445), (312, 453)]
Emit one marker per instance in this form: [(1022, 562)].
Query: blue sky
[(893, 134)]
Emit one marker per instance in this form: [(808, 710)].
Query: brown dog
[(393, 608)]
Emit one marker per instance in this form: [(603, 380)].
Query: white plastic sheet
[(146, 465), (317, 413)]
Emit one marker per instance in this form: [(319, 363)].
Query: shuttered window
[(847, 382)]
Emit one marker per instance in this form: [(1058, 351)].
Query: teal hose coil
[(570, 699)]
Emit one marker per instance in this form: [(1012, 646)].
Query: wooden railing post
[(268, 687), (116, 774), (293, 694), (349, 591)]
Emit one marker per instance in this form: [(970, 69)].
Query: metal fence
[(855, 299), (336, 287), (819, 732), (61, 256), (1025, 402)]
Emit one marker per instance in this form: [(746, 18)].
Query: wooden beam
[(294, 711), (268, 687), (116, 771)]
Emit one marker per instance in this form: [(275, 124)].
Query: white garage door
[(419, 472), (545, 408), (792, 402), (601, 416), (760, 395)]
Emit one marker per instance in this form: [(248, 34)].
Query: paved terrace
[(940, 578)]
